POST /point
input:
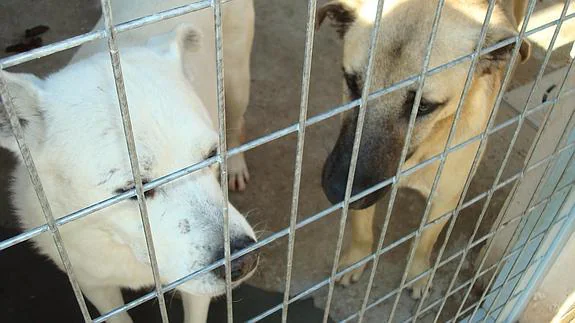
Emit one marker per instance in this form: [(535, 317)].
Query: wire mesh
[(110, 33)]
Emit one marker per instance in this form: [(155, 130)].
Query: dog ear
[(182, 40), (23, 92), (498, 58), (187, 39), (504, 27), (342, 13)]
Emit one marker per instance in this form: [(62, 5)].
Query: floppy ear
[(342, 14), (498, 58), (23, 92), (501, 30), (179, 44), (187, 39)]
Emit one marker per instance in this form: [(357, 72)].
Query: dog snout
[(241, 266), (334, 183), (374, 164)]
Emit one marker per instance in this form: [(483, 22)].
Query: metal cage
[(544, 222)]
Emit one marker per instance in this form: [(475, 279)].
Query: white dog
[(73, 126), (238, 34)]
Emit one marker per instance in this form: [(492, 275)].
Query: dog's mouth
[(242, 268), (213, 284)]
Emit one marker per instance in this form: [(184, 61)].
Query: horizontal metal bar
[(29, 234), (462, 285), (72, 42), (374, 36), (269, 138), (257, 245), (101, 34), (304, 103), (409, 236), (441, 156), (403, 157), (496, 289), (50, 49), (137, 23), (46, 210), (126, 307), (223, 153), (190, 169), (105, 203), (132, 153), (506, 158), (326, 281), (546, 59), (309, 220), (504, 209)]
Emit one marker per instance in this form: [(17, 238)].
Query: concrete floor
[(276, 81)]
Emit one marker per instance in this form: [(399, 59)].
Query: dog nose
[(241, 266)]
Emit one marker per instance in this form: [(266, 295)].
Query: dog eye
[(426, 108), (148, 194)]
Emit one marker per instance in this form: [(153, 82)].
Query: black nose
[(334, 181), (241, 266)]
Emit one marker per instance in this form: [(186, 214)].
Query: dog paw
[(238, 175), (351, 277), (350, 257), (418, 288)]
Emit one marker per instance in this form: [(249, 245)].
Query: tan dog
[(405, 29)]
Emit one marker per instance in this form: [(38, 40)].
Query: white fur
[(74, 129), (238, 31)]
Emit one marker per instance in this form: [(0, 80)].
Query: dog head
[(404, 34), (73, 126)]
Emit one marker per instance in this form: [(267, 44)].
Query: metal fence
[(561, 150)]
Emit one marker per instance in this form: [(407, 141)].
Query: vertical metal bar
[(355, 152), (395, 186), (514, 190), (223, 151), (7, 99), (134, 165), (485, 205), (305, 83)]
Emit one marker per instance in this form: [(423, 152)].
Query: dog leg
[(238, 174), (105, 299), (195, 308), (361, 244), (238, 31), (421, 260)]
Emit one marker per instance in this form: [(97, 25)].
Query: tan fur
[(400, 55)]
